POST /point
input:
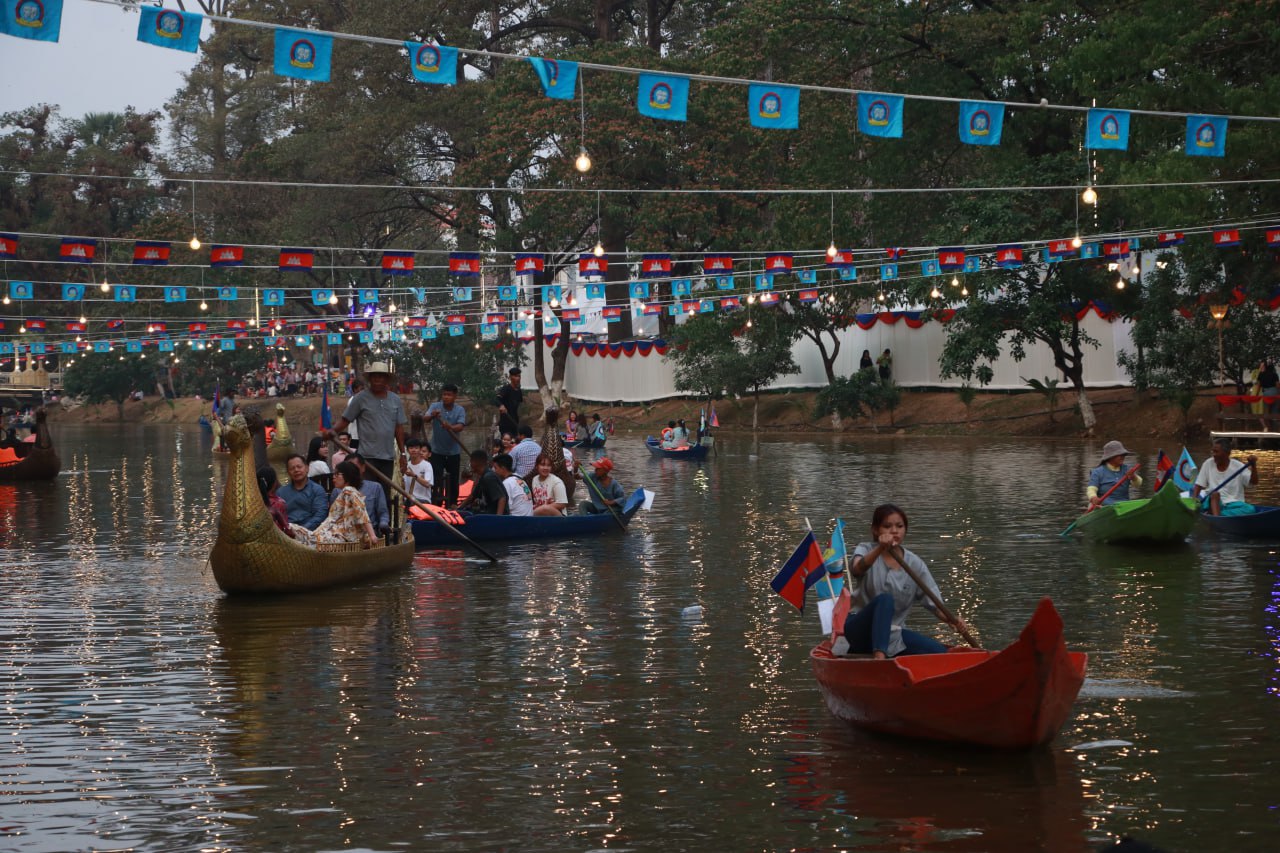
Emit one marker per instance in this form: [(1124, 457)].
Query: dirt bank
[(1120, 414)]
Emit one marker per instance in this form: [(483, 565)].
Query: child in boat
[(519, 498), (549, 495), (885, 593)]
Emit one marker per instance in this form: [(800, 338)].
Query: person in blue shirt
[(304, 499), (1109, 472), (448, 419)]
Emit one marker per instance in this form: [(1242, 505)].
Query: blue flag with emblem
[(1107, 129), (37, 20), (1206, 136), (773, 107), (1184, 473), (169, 28), (433, 63), (981, 122), (303, 55), (559, 77), (880, 115), (663, 96)]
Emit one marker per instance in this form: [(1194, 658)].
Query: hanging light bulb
[(832, 250), (598, 250), (748, 324), (23, 329), (104, 287), (391, 309), (964, 291), (1076, 242), (204, 306), (955, 282), (333, 299), (583, 163), (6, 299), (555, 303), (195, 243), (1089, 196), (934, 293), (881, 296), (1119, 284), (82, 319), (751, 299)]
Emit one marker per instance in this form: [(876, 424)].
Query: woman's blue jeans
[(868, 631)]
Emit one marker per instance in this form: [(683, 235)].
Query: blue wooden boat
[(1264, 523), (489, 528), (693, 451)]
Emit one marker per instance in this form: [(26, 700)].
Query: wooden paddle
[(427, 508), (591, 483), (1204, 499), (1118, 484), (947, 615)]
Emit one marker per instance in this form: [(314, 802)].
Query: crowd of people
[(350, 497)]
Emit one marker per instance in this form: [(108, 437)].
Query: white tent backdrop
[(638, 378)]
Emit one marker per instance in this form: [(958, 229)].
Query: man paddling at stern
[(1224, 480)]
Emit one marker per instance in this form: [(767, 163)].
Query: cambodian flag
[(802, 570), (1226, 238), (150, 253), (1165, 239), (77, 251), (226, 256), (8, 245), (655, 265), (397, 263), (296, 260), (1008, 257), (713, 420), (717, 263), (1061, 247), (951, 259), (464, 263), (1164, 467), (779, 262), (529, 264), (326, 417), (589, 266)]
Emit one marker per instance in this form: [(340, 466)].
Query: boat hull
[(1016, 698), (494, 528), (693, 451), (1264, 523), (1166, 517), (251, 555), (38, 460)]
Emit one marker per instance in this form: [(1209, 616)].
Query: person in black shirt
[(486, 488), (509, 399)]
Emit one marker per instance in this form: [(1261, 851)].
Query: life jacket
[(668, 433)]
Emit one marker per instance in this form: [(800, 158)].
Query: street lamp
[(1219, 314)]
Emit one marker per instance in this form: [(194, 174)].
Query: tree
[(733, 354), (99, 377), (476, 370)]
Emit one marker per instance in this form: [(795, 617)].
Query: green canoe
[(1167, 517)]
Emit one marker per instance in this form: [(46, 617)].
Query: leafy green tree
[(476, 370), (861, 394), (102, 377), (733, 354)]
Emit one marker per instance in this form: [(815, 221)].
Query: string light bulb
[(583, 163), (333, 299), (964, 291), (598, 250), (204, 306), (104, 287), (6, 299), (934, 293), (1076, 242), (195, 243), (832, 250), (82, 319), (1119, 284), (1089, 196)]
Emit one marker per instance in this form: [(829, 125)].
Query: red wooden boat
[(31, 460), (1016, 698)]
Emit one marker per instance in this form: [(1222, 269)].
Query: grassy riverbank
[(1119, 411)]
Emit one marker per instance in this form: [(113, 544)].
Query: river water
[(563, 701)]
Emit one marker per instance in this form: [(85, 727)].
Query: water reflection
[(561, 700)]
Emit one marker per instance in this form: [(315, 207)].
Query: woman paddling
[(886, 593)]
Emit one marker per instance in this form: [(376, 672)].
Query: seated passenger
[(487, 494), (348, 520), (518, 499), (306, 501), (549, 495), (267, 485)]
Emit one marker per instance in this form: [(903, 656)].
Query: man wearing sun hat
[(378, 412), (604, 491), (1110, 472)]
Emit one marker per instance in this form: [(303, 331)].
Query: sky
[(122, 71)]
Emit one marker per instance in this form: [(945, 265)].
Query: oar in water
[(947, 615), (1204, 499), (591, 483), (427, 508), (1110, 491)]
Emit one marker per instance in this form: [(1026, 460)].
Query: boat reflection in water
[(869, 791)]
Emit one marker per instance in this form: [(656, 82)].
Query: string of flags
[(304, 54)]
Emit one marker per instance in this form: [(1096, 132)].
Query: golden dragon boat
[(31, 460), (252, 555), (281, 446)]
